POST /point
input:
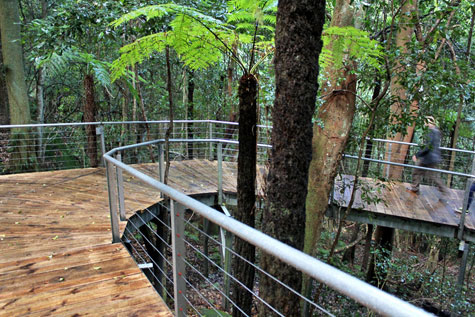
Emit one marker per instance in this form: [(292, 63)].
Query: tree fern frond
[(150, 12), (136, 52), (349, 43)]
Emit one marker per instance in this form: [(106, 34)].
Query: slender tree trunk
[(90, 116), (246, 188), (170, 114), (41, 112), (329, 137), (40, 81), (10, 28), (298, 45), (369, 143), (398, 152), (144, 118), (367, 248), (190, 111)]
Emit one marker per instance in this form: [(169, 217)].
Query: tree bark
[(90, 116), (298, 45), (40, 80), (170, 114), (330, 135), (246, 188), (19, 109), (4, 113), (384, 245), (398, 152), (190, 111)]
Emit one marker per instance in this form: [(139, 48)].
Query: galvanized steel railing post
[(161, 163), (111, 188), (389, 159), (100, 132), (120, 189), (220, 173), (465, 202), (179, 253), (210, 143)]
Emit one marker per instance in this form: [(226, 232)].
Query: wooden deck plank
[(55, 235), (56, 253)]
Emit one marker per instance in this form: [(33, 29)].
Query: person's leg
[(435, 177), (417, 175)]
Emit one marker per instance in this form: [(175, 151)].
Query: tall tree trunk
[(398, 152), (329, 139), (40, 80), (144, 118), (384, 244), (10, 28), (246, 188), (369, 143), (190, 110), (90, 116), (170, 114), (298, 45), (4, 113)]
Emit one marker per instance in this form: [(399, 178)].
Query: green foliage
[(57, 64), (199, 39), (343, 44)]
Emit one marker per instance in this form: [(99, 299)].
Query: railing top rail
[(368, 295), (411, 166), (37, 125), (415, 144)]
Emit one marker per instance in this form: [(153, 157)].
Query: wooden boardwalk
[(56, 254), (428, 206)]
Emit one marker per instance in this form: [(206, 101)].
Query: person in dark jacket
[(429, 157)]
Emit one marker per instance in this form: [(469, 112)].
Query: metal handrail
[(411, 166), (99, 123), (365, 294)]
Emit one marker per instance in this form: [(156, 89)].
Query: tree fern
[(200, 40), (349, 43)]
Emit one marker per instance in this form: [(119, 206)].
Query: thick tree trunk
[(90, 116), (298, 45), (335, 117), (19, 109), (246, 188), (4, 113), (376, 274), (398, 152)]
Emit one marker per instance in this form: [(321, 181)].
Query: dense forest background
[(384, 66)]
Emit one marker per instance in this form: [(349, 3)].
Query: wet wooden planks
[(57, 257), (392, 198)]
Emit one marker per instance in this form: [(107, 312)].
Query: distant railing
[(57, 146), (173, 266)]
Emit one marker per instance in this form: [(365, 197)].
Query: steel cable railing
[(363, 293), (206, 146)]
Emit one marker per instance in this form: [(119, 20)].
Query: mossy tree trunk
[(298, 45), (330, 135), (19, 109), (246, 189)]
